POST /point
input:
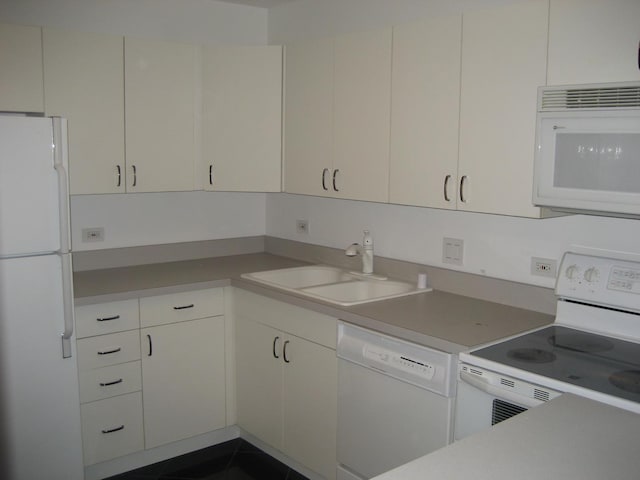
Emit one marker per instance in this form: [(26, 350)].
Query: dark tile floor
[(232, 460)]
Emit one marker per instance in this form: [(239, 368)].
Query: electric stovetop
[(596, 362)]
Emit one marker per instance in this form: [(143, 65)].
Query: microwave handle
[(484, 386)]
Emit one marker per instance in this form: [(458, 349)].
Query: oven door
[(486, 398)]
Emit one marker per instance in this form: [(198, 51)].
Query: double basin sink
[(334, 285)]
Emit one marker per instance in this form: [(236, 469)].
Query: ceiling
[(258, 3)]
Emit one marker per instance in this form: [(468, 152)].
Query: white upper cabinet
[(160, 111), (84, 82), (21, 69), (242, 118), (592, 41), (362, 112), (504, 53), (337, 114), (308, 135), (425, 98)]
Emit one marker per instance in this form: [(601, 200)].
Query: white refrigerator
[(40, 434)]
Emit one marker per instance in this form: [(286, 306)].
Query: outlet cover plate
[(302, 226), (544, 267), (453, 251), (95, 234)]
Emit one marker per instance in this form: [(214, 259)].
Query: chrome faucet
[(365, 250)]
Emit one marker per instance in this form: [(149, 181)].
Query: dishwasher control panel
[(424, 367), (398, 360)]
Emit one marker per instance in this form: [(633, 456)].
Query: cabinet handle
[(324, 182), (463, 182), (106, 319), (210, 174), (150, 345), (119, 176), (184, 307), (284, 352), (111, 430), (638, 55), (335, 174), (275, 341), (446, 188), (108, 352), (135, 175), (108, 384)]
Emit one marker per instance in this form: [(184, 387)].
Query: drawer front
[(104, 318), (105, 382), (180, 307), (112, 427), (108, 350)]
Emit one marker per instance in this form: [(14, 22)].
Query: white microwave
[(587, 157)]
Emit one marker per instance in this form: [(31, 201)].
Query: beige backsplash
[(505, 292)]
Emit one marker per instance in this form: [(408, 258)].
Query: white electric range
[(592, 349)]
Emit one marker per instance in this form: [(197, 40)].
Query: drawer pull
[(106, 319), (111, 430), (108, 352), (184, 307), (108, 384)]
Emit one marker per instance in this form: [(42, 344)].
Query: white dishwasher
[(395, 401)]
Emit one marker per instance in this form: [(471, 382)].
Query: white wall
[(195, 21), (156, 218), (496, 246)]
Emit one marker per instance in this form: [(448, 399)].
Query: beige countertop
[(569, 438), (437, 319)]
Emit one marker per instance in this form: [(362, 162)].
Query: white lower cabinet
[(183, 379), (286, 369), (141, 388)]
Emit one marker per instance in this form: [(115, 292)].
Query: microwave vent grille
[(570, 99)]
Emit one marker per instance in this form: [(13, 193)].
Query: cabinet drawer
[(182, 306), (105, 382), (112, 427), (104, 318), (108, 350)]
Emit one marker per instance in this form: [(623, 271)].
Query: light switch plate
[(453, 251)]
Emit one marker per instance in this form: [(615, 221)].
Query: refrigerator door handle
[(59, 162), (67, 288)]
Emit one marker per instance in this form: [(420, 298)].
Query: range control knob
[(592, 275), (572, 272)]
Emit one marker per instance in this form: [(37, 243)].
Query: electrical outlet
[(543, 267), (453, 251), (95, 234), (302, 226)]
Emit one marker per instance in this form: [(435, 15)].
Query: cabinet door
[(362, 112), (504, 53), (259, 380), (242, 118), (310, 405), (592, 41), (160, 88), (183, 379), (425, 99), (84, 82), (308, 136), (21, 69)]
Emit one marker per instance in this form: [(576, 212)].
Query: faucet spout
[(365, 250)]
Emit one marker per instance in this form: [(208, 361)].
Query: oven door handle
[(500, 393)]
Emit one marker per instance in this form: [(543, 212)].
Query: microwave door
[(588, 163)]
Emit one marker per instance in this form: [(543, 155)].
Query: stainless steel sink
[(333, 285)]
